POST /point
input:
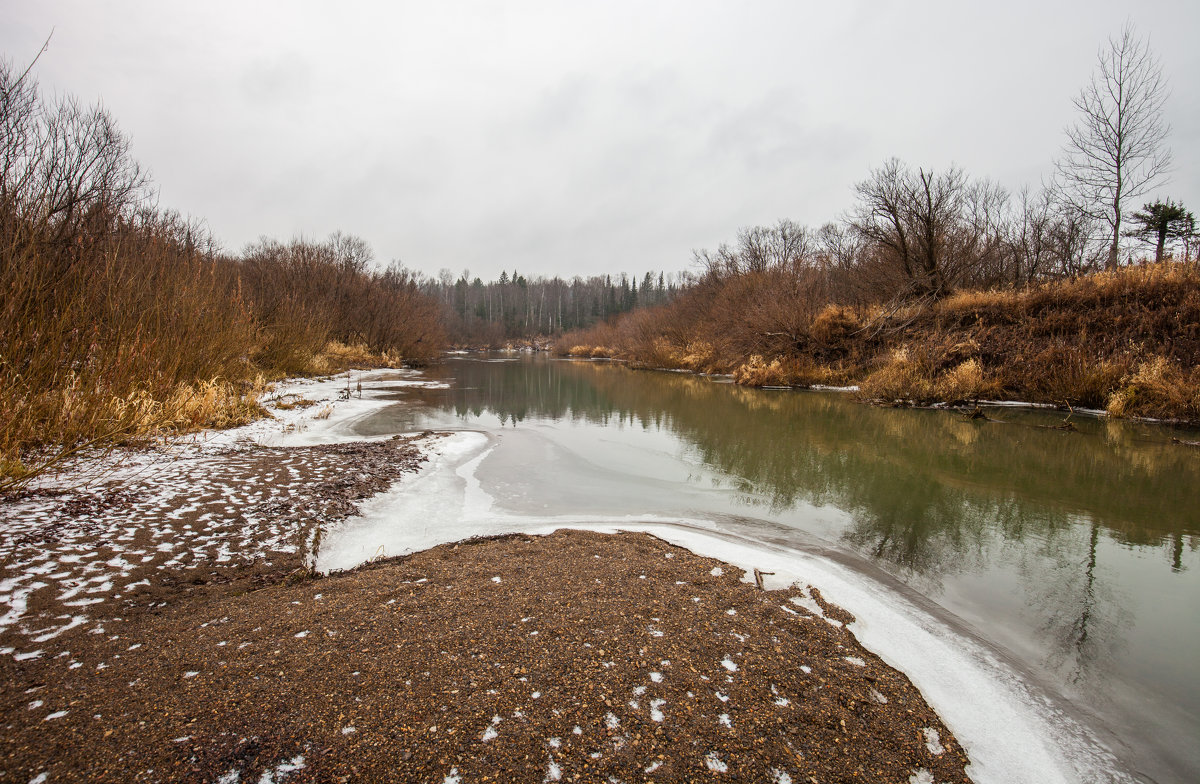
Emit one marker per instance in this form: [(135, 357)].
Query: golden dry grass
[(337, 357), (906, 376), (1158, 387), (757, 372), (214, 404)]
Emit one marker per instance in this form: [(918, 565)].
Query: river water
[(1074, 556)]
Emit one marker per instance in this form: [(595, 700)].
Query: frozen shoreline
[(1010, 733)]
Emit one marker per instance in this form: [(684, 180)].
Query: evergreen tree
[(1162, 221)]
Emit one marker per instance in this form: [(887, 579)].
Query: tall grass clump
[(1158, 388)]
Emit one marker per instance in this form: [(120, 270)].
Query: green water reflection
[(1075, 551), (922, 485)]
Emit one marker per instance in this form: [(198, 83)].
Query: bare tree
[(1116, 150), (939, 231)]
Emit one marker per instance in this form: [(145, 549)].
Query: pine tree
[(1161, 221)]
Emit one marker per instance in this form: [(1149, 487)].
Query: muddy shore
[(576, 656)]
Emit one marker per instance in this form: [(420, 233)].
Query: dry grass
[(835, 325), (965, 381), (790, 371), (902, 377), (907, 375), (213, 404), (757, 372), (291, 402), (979, 299), (1158, 388), (338, 357)]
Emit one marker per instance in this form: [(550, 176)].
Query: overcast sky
[(579, 137)]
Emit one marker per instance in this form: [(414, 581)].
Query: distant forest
[(515, 307)]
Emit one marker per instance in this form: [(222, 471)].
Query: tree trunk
[(1114, 251)]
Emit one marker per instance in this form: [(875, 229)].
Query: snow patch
[(553, 773), (921, 776)]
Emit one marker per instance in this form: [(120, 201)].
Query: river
[(1072, 555)]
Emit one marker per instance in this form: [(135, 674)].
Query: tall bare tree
[(1117, 150)]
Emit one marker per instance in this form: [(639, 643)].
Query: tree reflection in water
[(929, 493)]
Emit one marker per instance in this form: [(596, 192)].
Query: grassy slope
[(1127, 341)]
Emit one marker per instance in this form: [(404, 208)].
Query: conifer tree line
[(514, 306)]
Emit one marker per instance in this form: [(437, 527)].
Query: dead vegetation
[(121, 323), (1126, 341)]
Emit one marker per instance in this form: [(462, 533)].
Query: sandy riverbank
[(163, 625), (117, 596), (577, 655)]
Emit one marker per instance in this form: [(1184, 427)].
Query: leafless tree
[(1117, 150), (785, 246), (938, 230)]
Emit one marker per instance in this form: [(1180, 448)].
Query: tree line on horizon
[(516, 307)]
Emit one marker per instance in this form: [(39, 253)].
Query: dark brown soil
[(581, 655), (166, 628), (229, 521)]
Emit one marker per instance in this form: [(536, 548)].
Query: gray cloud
[(579, 138)]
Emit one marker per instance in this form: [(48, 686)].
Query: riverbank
[(1127, 342), (68, 593), (164, 622), (577, 656)]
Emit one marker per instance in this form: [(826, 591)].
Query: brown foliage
[(1158, 388), (120, 322), (1088, 342)]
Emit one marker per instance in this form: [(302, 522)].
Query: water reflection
[(927, 490), (1074, 551)]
